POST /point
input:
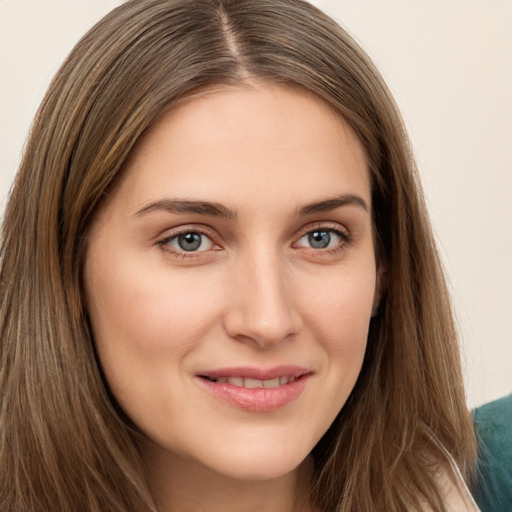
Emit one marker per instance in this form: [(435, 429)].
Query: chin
[(258, 472), (263, 464)]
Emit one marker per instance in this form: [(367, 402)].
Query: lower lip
[(257, 399)]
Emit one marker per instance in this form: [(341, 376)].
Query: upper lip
[(250, 372)]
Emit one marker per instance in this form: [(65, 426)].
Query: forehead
[(252, 141)]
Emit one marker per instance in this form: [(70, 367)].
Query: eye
[(322, 239), (188, 241)]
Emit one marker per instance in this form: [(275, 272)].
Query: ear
[(380, 288)]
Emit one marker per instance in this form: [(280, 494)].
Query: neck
[(181, 485)]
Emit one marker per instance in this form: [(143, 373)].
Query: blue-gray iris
[(189, 241), (319, 239)]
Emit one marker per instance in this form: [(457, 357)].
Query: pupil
[(319, 239), (189, 241)]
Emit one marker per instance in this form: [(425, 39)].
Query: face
[(230, 279)]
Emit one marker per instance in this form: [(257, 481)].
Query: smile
[(256, 390), (254, 383)]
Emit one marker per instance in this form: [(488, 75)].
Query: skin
[(255, 293)]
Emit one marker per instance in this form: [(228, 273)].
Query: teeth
[(236, 381), (255, 383), (273, 383)]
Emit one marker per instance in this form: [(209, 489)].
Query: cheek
[(341, 307), (147, 310), (144, 324), (339, 317)]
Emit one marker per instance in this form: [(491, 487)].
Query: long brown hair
[(63, 443)]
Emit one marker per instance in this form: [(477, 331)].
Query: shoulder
[(493, 425)]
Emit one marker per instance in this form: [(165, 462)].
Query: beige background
[(449, 64)]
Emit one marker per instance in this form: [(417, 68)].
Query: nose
[(262, 307)]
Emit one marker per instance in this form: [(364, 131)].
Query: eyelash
[(343, 235), (165, 243)]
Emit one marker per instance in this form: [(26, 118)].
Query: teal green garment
[(493, 423)]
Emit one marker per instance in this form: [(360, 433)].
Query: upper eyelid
[(190, 228), (326, 225), (213, 235), (164, 243)]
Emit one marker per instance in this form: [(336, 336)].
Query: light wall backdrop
[(449, 65)]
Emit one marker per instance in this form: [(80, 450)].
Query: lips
[(254, 389), (254, 383)]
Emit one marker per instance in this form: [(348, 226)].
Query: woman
[(220, 289)]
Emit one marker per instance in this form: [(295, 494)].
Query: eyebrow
[(333, 203), (180, 206), (218, 210)]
